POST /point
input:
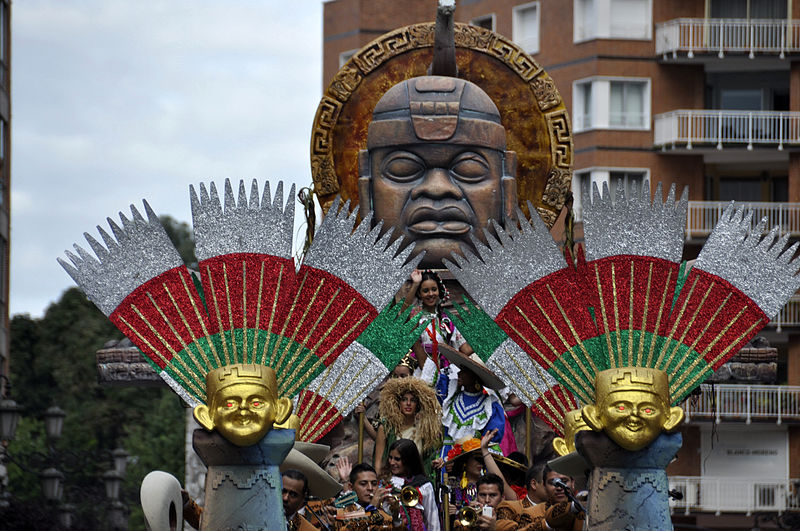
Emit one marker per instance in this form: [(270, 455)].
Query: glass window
[(740, 99), (486, 22), (630, 19), (769, 9), (526, 27), (626, 180), (626, 108), (612, 19), (583, 106)]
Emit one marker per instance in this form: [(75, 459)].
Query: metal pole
[(446, 502), (361, 437), (528, 422)]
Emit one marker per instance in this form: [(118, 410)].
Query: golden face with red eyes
[(243, 405), (632, 406)]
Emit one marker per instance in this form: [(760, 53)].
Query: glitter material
[(512, 260), (347, 381), (243, 226), (760, 266), (369, 263), (482, 334), (391, 334), (634, 226), (525, 378), (180, 391), (141, 251)]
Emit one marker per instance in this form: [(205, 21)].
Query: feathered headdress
[(629, 301), (320, 327)]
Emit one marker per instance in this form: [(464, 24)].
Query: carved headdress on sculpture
[(627, 315), (313, 334)]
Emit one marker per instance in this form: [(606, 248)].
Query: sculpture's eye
[(470, 167), (621, 407), (648, 410), (229, 404), (403, 166), (256, 403)]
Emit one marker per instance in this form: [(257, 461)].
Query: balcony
[(725, 36), (712, 128), (704, 215), (732, 495), (744, 403)]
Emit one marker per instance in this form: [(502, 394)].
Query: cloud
[(114, 101)]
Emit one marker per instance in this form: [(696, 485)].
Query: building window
[(345, 56), (770, 9), (611, 103), (615, 178), (525, 26), (612, 19), (485, 22), (626, 108)]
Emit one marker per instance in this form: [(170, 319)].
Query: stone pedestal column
[(627, 490), (243, 484)]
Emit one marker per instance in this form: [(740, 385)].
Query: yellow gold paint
[(630, 318), (243, 403), (291, 341), (245, 354), (220, 325), (573, 423), (618, 353), (575, 335), (200, 319), (559, 373), (545, 341), (632, 406)]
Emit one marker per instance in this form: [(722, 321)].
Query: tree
[(54, 362)]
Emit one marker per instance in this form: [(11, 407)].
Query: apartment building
[(704, 93)]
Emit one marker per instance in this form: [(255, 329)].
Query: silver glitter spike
[(359, 257), (243, 225), (749, 261), (528, 255), (142, 251), (524, 377), (634, 225)]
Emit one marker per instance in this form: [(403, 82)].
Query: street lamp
[(113, 481), (51, 483), (54, 422), (9, 418), (66, 514), (120, 457)]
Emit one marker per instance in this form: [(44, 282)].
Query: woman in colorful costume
[(409, 410), (471, 408), (405, 469), (440, 330)]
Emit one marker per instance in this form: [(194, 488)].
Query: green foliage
[(182, 237), (54, 362)]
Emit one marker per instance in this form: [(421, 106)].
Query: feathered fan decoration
[(320, 327), (629, 302)]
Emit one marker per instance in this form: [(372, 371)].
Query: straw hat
[(474, 364)]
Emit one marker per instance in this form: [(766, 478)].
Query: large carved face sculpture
[(632, 406), (436, 166), (242, 403)]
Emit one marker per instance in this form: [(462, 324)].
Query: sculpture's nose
[(437, 184)]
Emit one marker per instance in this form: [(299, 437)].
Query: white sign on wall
[(742, 451)]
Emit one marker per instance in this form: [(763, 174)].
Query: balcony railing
[(744, 403), (688, 127), (704, 215), (789, 314), (725, 35), (718, 495)]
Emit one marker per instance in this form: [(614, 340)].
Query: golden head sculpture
[(573, 423), (632, 406), (243, 403)]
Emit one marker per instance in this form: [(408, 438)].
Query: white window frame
[(477, 20), (530, 46), (601, 104), (599, 175), (346, 55), (602, 22)]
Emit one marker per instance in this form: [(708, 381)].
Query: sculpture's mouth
[(448, 221), (634, 425)]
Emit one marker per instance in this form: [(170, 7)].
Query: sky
[(115, 101)]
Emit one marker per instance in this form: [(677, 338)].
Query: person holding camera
[(480, 514)]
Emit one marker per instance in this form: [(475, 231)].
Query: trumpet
[(467, 516), (410, 496)]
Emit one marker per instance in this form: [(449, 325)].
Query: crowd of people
[(442, 424), (444, 452)]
